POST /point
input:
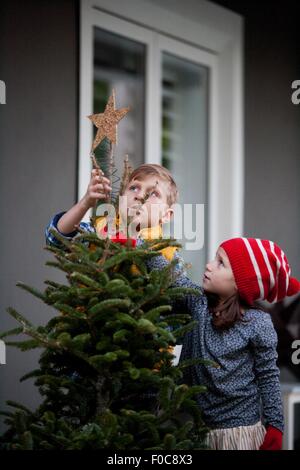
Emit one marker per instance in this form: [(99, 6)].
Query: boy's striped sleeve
[(53, 241)]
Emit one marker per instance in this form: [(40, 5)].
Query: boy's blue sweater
[(246, 387)]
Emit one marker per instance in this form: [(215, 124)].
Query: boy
[(148, 199)]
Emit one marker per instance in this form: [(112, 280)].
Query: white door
[(172, 89)]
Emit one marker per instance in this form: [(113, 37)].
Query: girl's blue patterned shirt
[(246, 386)]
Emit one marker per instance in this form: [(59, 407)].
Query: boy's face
[(218, 277), (144, 202)]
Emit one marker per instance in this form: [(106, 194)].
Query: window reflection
[(119, 63), (184, 137)]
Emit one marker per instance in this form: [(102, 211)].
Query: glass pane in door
[(184, 150), (119, 63)]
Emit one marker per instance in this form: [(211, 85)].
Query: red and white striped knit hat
[(261, 270)]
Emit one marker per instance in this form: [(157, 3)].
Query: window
[(119, 63)]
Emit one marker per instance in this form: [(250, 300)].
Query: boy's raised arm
[(65, 222), (98, 188)]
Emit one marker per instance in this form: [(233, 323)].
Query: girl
[(245, 388)]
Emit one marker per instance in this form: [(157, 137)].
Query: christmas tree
[(106, 374)]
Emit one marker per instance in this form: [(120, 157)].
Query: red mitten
[(123, 240), (120, 237), (272, 440)]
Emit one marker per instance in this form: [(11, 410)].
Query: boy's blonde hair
[(149, 169)]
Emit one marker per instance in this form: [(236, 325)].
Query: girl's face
[(218, 277)]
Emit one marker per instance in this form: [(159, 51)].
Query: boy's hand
[(98, 188)]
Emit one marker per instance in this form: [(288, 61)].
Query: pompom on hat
[(261, 269)]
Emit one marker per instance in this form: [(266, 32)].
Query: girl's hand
[(98, 188), (273, 439)]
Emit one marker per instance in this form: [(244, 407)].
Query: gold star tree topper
[(107, 122)]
